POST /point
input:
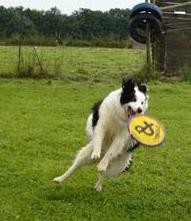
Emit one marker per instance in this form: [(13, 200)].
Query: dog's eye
[(142, 102)]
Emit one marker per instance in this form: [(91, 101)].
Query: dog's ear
[(128, 85), (143, 88)]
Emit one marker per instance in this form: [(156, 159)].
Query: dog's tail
[(89, 127)]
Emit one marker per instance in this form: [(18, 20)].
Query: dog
[(110, 144)]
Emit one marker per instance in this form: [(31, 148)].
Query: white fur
[(109, 140)]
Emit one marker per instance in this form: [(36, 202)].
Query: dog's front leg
[(98, 137), (114, 150)]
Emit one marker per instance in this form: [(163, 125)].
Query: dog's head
[(134, 98)]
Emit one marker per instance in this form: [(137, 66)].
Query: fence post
[(148, 48), (39, 62), (19, 59)]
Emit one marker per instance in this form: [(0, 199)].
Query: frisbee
[(147, 130)]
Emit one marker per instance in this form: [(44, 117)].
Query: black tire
[(146, 7), (138, 27)]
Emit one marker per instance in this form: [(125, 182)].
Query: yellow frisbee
[(147, 130)]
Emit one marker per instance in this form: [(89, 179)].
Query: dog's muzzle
[(130, 112)]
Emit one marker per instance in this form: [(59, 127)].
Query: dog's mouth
[(130, 112)]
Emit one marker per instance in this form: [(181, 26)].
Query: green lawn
[(41, 128), (74, 63)]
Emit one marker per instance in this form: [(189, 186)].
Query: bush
[(28, 41), (145, 74), (185, 74), (99, 42)]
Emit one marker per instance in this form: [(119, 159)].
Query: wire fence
[(172, 52), (69, 62)]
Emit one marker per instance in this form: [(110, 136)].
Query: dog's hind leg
[(99, 184), (83, 157)]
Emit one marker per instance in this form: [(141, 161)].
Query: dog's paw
[(57, 180), (95, 155), (102, 166), (98, 188)]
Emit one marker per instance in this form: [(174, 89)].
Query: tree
[(82, 24), (19, 24)]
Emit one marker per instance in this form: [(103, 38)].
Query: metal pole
[(175, 6)]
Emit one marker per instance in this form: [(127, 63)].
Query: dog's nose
[(139, 110)]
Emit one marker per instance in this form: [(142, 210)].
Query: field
[(95, 64), (42, 127)]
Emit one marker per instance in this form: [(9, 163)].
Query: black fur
[(127, 167), (95, 111), (142, 88), (128, 92)]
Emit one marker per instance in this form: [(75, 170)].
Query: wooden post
[(175, 6), (149, 57), (159, 49), (39, 62), (19, 59)]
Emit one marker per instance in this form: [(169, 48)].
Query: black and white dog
[(109, 140)]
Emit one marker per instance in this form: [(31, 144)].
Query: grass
[(96, 64), (42, 127)]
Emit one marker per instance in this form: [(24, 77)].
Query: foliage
[(20, 24), (42, 128), (146, 74), (185, 74), (13, 21), (84, 24), (108, 42)]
